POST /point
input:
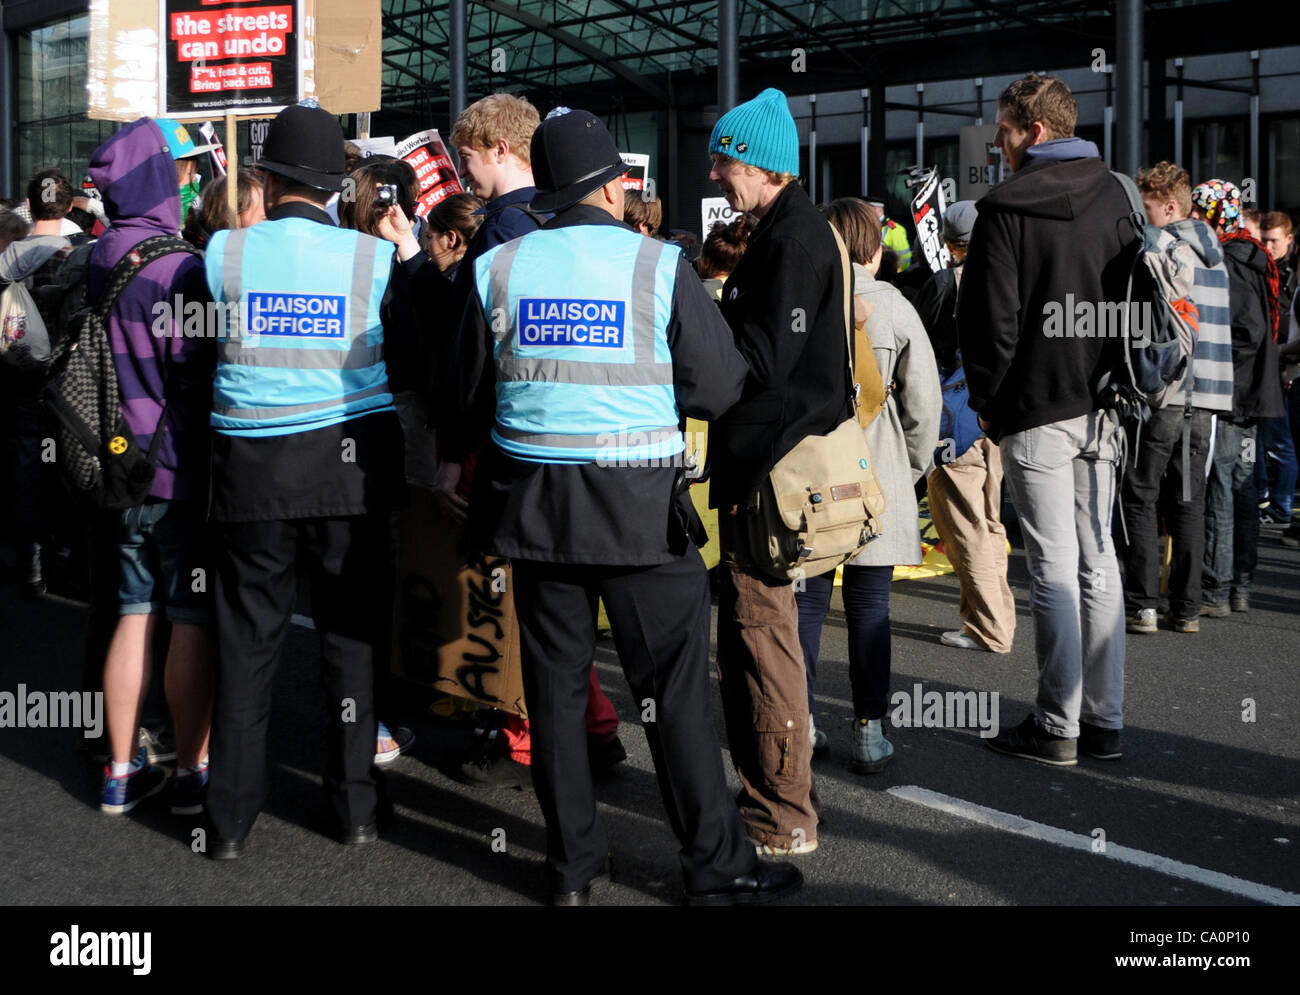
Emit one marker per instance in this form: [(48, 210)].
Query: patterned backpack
[(96, 453)]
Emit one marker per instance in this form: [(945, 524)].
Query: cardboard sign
[(347, 56), (634, 180), (433, 167), (375, 146), (216, 57), (454, 626), (713, 210)]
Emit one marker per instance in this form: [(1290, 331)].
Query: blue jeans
[(866, 605), (1277, 455), (164, 561), (1231, 514)]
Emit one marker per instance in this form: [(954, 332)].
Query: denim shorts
[(164, 553)]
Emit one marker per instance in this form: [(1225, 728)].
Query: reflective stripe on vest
[(595, 384), (305, 347)]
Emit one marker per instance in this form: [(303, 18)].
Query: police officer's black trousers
[(660, 618), (346, 561)]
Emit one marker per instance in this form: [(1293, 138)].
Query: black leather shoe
[(356, 835), (226, 849), (765, 883), (583, 895)]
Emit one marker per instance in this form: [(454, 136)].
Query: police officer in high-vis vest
[(307, 464), (584, 349), (892, 234)]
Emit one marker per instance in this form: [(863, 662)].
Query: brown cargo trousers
[(764, 696), (966, 507)]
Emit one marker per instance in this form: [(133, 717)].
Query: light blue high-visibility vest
[(308, 351), (579, 318)]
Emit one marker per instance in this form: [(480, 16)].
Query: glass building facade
[(50, 125)]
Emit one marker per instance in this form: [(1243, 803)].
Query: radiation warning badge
[(117, 445)]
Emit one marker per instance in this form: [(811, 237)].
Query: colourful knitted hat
[(1220, 202), (759, 132)]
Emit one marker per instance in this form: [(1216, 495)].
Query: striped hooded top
[(136, 175)]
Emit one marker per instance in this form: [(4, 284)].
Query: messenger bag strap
[(847, 268)]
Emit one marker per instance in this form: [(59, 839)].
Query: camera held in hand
[(385, 197)]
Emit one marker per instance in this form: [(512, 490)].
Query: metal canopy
[(646, 51)]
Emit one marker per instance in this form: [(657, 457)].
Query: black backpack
[(60, 298), (96, 452)]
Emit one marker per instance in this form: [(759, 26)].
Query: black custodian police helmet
[(573, 155), (306, 145)]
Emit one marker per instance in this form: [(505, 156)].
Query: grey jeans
[(1075, 591)]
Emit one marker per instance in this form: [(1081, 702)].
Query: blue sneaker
[(187, 788), (121, 794)]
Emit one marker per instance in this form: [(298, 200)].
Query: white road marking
[(1077, 841)]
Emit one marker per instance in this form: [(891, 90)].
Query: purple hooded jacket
[(136, 175)]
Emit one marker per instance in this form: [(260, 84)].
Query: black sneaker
[(1099, 743), (1032, 742), (493, 770), (1291, 537)]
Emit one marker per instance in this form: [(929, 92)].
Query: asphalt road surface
[(1204, 808)]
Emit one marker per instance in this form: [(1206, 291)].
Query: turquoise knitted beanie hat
[(759, 132)]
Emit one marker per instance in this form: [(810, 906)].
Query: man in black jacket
[(785, 305), (1048, 254), (581, 350), (1231, 494)]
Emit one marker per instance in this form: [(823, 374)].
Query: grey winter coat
[(903, 436)]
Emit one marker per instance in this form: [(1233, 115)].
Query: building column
[(1128, 84), (728, 55), (458, 53)]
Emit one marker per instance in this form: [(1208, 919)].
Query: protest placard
[(635, 180), (339, 56), (246, 59), (428, 156), (454, 626), (713, 210)]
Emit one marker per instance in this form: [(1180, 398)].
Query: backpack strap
[(1137, 210), (119, 278), (121, 275)]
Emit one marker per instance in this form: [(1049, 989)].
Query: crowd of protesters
[(251, 493)]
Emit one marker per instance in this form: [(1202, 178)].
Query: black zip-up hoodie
[(1256, 386), (1053, 237)]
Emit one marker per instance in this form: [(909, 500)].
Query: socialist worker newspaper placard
[(427, 154), (229, 55)]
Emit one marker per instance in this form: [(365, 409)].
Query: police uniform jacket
[(585, 512), (351, 467)]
